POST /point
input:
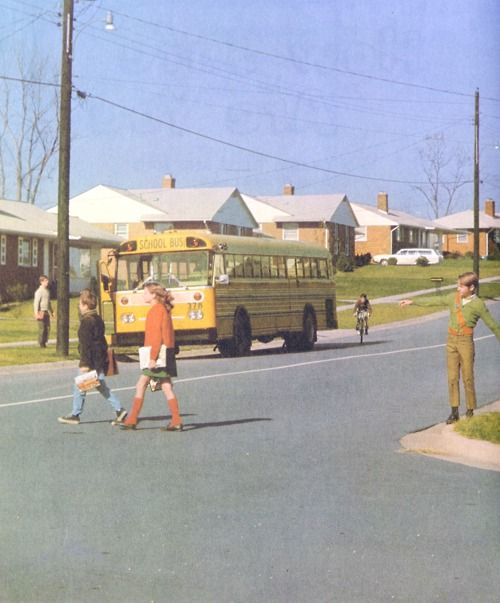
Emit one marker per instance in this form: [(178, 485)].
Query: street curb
[(443, 442)]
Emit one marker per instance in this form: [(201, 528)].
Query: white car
[(409, 257)]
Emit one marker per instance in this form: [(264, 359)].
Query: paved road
[(287, 485)]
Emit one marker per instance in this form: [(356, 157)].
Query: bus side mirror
[(223, 279)]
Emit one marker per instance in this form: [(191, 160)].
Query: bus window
[(290, 268), (218, 265), (281, 266), (238, 266), (300, 267), (307, 267), (323, 269), (314, 268), (266, 270), (257, 266), (170, 269), (248, 266)]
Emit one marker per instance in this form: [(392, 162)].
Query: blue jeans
[(103, 389)]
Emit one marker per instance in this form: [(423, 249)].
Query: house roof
[(104, 204), (224, 205), (465, 221), (307, 208), (369, 215), (20, 218)]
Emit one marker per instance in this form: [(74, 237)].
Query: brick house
[(385, 230), (462, 241), (129, 213), (28, 248), (325, 220)]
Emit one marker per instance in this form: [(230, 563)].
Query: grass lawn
[(481, 427), (380, 281)]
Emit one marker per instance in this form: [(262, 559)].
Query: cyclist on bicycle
[(362, 310)]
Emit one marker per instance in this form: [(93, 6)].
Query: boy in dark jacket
[(93, 350)]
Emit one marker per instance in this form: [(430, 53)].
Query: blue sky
[(346, 92)]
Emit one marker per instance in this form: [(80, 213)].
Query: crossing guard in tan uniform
[(466, 308)]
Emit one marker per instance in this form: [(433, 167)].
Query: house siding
[(451, 245), (378, 241), (11, 274)]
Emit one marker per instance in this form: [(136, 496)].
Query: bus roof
[(230, 244)]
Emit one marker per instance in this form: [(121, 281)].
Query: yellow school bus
[(228, 290)]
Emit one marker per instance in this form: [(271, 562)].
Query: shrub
[(344, 264), (363, 259), (451, 255), (392, 261), (422, 261), (17, 292)]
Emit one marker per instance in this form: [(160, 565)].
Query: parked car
[(409, 257)]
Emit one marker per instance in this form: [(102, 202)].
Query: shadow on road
[(193, 426)]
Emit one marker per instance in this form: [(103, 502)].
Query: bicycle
[(362, 323)]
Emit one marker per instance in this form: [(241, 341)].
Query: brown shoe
[(127, 426), (172, 427)]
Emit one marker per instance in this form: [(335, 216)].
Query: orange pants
[(460, 359)]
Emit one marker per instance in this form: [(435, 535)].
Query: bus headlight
[(128, 318)]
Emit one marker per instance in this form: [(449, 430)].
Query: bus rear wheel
[(305, 340), (241, 341)]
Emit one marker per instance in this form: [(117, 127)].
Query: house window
[(121, 230), (3, 250), (361, 233), (347, 246), (34, 253), (291, 231), (24, 248), (463, 237)]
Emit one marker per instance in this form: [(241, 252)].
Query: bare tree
[(29, 130), (445, 175)]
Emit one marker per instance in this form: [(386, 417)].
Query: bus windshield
[(173, 269)]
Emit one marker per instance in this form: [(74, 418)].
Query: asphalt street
[(287, 485)]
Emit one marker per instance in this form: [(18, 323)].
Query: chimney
[(289, 189), (168, 181), (489, 207), (383, 202)]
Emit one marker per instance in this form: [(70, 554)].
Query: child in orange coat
[(159, 330)]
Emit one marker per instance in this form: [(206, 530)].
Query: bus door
[(105, 270)]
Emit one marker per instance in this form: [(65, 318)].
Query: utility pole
[(63, 182), (475, 264)]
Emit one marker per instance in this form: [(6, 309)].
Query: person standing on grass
[(466, 308), (42, 309), (159, 330), (93, 350)]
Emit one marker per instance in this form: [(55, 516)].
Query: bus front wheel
[(241, 341)]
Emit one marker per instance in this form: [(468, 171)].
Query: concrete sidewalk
[(443, 442)]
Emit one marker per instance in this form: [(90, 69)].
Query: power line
[(237, 146), (298, 61)]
